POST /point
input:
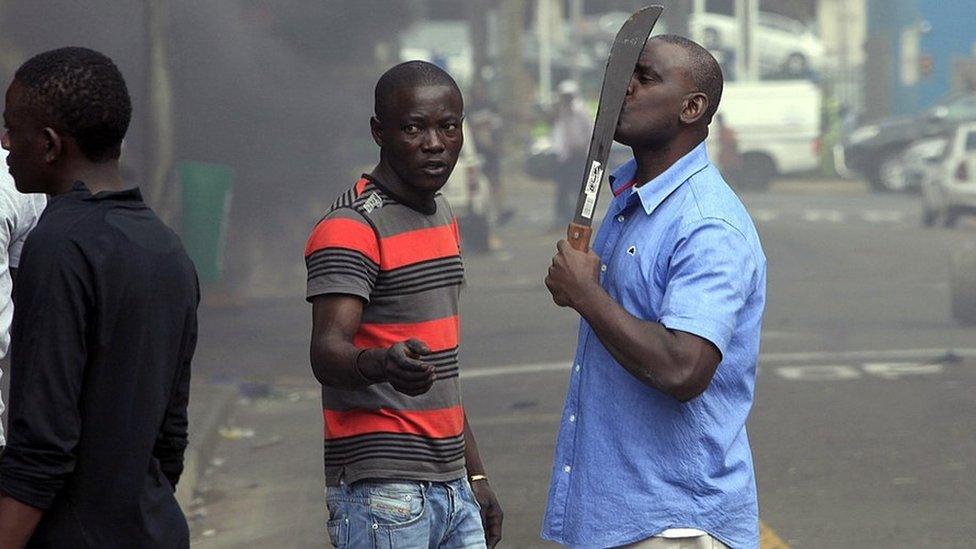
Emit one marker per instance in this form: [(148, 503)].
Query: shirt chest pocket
[(637, 279)]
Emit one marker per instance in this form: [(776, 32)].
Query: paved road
[(862, 429)]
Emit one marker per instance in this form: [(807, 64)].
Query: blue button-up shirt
[(632, 461)]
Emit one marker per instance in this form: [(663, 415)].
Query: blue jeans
[(404, 514)]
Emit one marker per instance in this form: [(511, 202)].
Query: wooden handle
[(579, 236)]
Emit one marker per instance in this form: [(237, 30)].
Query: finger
[(417, 347), (413, 373), (409, 364), (562, 245)]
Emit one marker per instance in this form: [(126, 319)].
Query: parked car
[(921, 161), (786, 46), (469, 194), (777, 125), (951, 191), (875, 150)]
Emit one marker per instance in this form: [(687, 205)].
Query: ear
[(376, 129), (53, 145), (694, 108)]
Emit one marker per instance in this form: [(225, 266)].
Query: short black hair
[(80, 92), (410, 74), (706, 74)]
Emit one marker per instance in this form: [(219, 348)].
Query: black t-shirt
[(104, 330)]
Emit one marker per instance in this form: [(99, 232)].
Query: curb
[(216, 401)]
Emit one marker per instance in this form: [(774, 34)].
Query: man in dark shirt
[(104, 330)]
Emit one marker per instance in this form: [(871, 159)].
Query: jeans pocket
[(396, 504), (338, 532)]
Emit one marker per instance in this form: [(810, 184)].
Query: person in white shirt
[(571, 132), (18, 215)]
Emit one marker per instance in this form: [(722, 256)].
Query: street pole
[(158, 157), (747, 57), (576, 20), (697, 8), (543, 33), (513, 106)]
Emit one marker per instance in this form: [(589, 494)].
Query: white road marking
[(833, 216)]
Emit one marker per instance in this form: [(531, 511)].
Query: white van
[(778, 128)]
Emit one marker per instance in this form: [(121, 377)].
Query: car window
[(962, 109), (971, 141)]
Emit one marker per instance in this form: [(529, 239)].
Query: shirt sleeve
[(711, 275), (49, 350), (171, 442), (33, 205), (342, 256)]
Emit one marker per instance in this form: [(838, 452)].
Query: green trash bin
[(206, 208)]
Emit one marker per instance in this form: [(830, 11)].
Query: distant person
[(571, 132), (18, 215), (729, 159), (104, 325), (486, 125), (384, 280), (652, 449)]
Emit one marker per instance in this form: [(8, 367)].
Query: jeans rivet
[(376, 526)]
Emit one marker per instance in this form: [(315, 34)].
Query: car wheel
[(756, 172), (475, 233), (951, 217), (962, 284), (888, 174), (796, 64)]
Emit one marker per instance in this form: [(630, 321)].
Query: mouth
[(435, 168)]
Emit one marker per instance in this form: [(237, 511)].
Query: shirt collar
[(126, 195), (653, 192)]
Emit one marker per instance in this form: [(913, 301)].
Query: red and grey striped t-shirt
[(406, 266)]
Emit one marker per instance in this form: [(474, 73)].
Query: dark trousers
[(567, 178)]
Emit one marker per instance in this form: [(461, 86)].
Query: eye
[(411, 129), (452, 126)]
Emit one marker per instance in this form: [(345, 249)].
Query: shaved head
[(408, 75), (704, 70)]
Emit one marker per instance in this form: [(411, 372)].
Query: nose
[(433, 142), (630, 84), (5, 140)]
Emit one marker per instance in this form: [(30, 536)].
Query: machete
[(626, 49)]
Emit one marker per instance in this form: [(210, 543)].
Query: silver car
[(950, 191)]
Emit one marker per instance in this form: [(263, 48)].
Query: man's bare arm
[(17, 522), (678, 363), (491, 511), (337, 362)]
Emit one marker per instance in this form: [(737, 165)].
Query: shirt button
[(572, 418), (620, 218), (566, 469), (577, 367), (603, 268)]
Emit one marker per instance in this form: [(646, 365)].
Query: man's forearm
[(472, 458), (342, 365), (645, 349), (17, 522)]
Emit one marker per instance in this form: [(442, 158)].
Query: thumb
[(417, 347)]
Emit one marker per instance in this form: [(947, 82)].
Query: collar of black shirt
[(132, 194)]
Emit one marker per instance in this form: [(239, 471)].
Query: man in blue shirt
[(652, 448)]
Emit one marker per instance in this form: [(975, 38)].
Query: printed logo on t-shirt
[(374, 201)]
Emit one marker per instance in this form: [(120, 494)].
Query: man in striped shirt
[(384, 277)]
